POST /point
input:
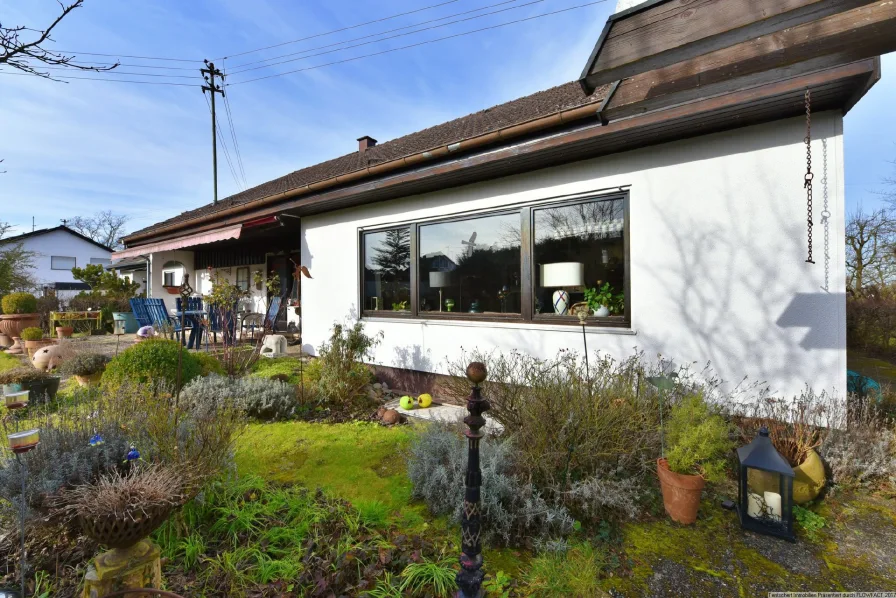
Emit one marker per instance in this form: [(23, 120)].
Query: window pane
[(242, 278), (578, 247), (471, 266), (101, 261), (59, 262), (387, 270)]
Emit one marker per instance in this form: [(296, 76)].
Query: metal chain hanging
[(826, 215), (808, 179)]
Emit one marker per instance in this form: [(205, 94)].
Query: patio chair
[(138, 306), (253, 321), (223, 323), (161, 320)]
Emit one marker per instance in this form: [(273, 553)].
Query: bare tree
[(870, 246), (106, 228), (29, 56)]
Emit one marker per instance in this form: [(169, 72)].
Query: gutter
[(538, 124)]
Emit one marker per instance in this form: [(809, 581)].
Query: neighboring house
[(132, 270), (56, 251), (673, 170)]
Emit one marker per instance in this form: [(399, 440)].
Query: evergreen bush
[(259, 398), (152, 361), (84, 364), (19, 303), (32, 334), (698, 439)]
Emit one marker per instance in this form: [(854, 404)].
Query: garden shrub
[(512, 510), (152, 361), (45, 305), (22, 373), (343, 375), (32, 334), (19, 303), (862, 451), (698, 439), (209, 364), (259, 398), (84, 364)]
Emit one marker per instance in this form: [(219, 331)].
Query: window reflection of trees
[(387, 269)]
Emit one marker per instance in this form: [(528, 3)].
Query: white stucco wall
[(718, 243), (60, 243)]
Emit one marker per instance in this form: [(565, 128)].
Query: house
[(672, 170), (132, 270), (56, 251)]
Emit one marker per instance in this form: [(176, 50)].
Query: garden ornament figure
[(96, 440), (469, 578), (133, 455)]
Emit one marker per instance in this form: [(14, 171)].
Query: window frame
[(165, 273), (248, 281), (527, 313), (100, 261), (63, 257)]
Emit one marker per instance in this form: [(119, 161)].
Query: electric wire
[(109, 80), (374, 34), (233, 135), (423, 43), (115, 72), (301, 39), (122, 56), (220, 139), (367, 43)]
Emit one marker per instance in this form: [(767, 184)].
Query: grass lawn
[(7, 362), (880, 370)]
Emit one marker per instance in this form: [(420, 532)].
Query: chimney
[(365, 142)]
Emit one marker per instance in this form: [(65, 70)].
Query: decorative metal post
[(469, 578)]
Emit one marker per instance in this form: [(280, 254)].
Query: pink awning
[(231, 232)]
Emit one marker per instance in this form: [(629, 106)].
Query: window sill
[(469, 323)]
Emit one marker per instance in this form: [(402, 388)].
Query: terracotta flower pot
[(64, 331), (91, 380), (32, 346), (17, 348), (5, 340), (681, 493), (13, 324)]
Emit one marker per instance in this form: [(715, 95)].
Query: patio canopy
[(231, 232)]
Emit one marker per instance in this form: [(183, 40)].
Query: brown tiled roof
[(537, 105)]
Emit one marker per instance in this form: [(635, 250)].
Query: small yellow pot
[(809, 480)]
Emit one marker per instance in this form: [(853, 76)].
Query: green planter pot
[(42, 391), (130, 321)]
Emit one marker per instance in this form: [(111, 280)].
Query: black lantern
[(765, 489)]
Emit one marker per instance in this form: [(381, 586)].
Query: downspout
[(538, 124)]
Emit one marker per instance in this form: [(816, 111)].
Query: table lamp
[(562, 274), (437, 280)]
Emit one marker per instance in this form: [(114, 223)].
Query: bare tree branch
[(103, 227), (28, 56)]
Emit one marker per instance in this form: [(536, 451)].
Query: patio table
[(193, 318)]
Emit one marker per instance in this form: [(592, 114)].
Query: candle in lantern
[(754, 505), (773, 502)]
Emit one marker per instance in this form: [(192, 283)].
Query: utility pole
[(209, 75)]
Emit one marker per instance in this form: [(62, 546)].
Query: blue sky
[(144, 150)]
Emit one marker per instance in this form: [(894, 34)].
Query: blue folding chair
[(138, 306), (158, 313), (273, 312), (221, 322)]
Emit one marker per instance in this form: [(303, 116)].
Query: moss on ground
[(7, 362), (291, 367)]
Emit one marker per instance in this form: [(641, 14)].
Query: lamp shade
[(563, 274), (439, 279)]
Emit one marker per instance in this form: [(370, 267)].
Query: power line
[(223, 144), (301, 39), (236, 143), (123, 56), (64, 68), (423, 43), (255, 68), (373, 34), (101, 79)]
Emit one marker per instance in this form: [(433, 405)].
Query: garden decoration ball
[(424, 400), (407, 402)]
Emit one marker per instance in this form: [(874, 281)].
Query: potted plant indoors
[(86, 368), (19, 313), (603, 301), (42, 385), (698, 441), (34, 339)]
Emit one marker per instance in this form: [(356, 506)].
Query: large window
[(62, 262), (242, 278), (102, 261), (544, 263), (470, 266), (387, 270)]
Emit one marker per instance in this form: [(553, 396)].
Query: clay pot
[(32, 346), (64, 331), (681, 493), (17, 348), (5, 340), (88, 381), (809, 479), (13, 324)]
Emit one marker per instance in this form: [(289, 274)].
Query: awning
[(231, 232)]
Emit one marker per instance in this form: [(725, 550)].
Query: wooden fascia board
[(782, 14), (707, 106)]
